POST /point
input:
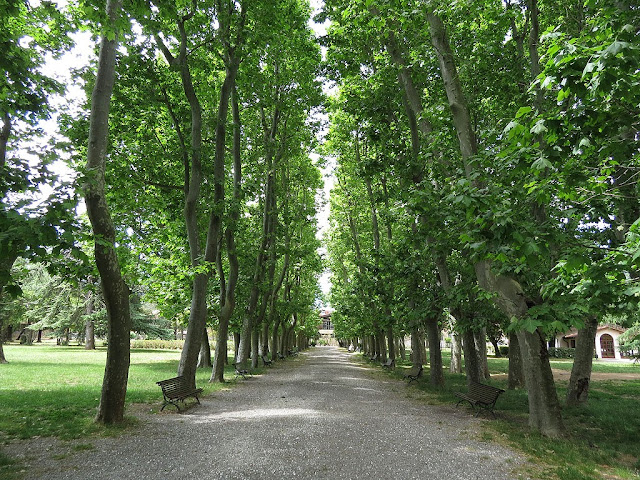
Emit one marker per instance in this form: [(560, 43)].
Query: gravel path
[(317, 416)]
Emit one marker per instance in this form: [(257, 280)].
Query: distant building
[(326, 328), (607, 345)]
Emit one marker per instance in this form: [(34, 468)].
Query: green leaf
[(539, 127), (615, 48), (541, 164), (522, 111)]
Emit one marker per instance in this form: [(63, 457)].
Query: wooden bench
[(281, 356), (241, 372), (480, 396), (177, 389), (266, 361), (390, 363), (414, 374)]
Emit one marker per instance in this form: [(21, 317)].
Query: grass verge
[(603, 438), (54, 391)]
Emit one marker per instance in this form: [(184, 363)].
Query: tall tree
[(115, 290)]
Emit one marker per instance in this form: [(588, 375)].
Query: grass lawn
[(54, 390), (603, 438)]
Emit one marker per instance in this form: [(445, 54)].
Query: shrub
[(562, 352), (504, 350), (158, 344)]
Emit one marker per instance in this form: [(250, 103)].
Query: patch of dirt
[(566, 375)]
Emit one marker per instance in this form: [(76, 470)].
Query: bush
[(562, 352), (158, 344), (504, 350)]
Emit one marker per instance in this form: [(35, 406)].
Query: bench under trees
[(414, 374), (241, 372), (266, 361), (390, 363), (480, 397), (177, 389)]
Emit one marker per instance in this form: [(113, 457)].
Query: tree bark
[(391, 343), (496, 347), (578, 390), (516, 375), (6, 264), (2, 330), (480, 339), (204, 356), (435, 354), (275, 349), (471, 359), (89, 327), (456, 354), (116, 292)]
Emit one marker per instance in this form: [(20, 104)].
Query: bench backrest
[(414, 371), (484, 393), (174, 385)]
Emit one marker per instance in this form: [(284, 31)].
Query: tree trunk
[(236, 345), (264, 339), (435, 354), (2, 357), (116, 292), (456, 354), (275, 349), (195, 327), (578, 390), (391, 343), (89, 327), (220, 352), (516, 375), (255, 336), (228, 289), (204, 357), (472, 366), (480, 339), (496, 347), (416, 359), (544, 409)]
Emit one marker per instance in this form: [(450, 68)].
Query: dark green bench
[(480, 397), (177, 389), (266, 361)]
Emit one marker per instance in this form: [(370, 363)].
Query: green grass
[(54, 391), (9, 470), (603, 438)]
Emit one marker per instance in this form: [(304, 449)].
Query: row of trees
[(487, 178), (193, 155)]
